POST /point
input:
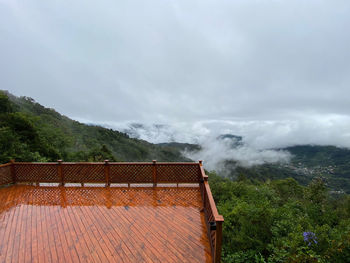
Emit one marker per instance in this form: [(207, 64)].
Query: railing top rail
[(4, 165), (114, 163), (216, 215), (37, 163), (215, 212)]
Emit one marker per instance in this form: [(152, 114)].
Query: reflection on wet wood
[(99, 224)]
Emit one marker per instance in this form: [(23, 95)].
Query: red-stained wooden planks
[(99, 224)]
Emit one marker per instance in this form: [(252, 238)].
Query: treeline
[(282, 221), (31, 132)]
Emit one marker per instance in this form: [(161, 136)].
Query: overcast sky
[(276, 67)]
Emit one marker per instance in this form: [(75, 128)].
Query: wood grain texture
[(99, 224)]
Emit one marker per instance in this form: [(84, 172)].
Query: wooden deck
[(102, 224)]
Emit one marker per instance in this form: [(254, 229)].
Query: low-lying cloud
[(262, 141), (215, 152)]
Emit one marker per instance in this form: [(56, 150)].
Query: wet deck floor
[(97, 224)]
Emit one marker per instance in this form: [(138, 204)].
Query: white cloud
[(262, 140)]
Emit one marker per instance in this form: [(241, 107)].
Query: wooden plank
[(42, 255), (105, 243), (166, 229), (118, 237), (17, 234), (8, 219), (22, 232), (142, 225), (69, 234), (78, 242), (34, 237), (182, 228), (82, 236), (52, 213), (94, 244), (142, 231), (63, 248), (148, 245), (44, 239)]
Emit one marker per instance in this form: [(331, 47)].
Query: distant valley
[(307, 162)]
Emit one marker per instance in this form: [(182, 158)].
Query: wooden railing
[(213, 220), (108, 173), (6, 174)]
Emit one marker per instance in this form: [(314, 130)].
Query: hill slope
[(307, 162), (31, 132)]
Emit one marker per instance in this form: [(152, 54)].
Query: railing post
[(203, 180), (107, 173), (218, 240), (63, 197), (200, 162), (13, 171), (60, 173), (204, 194), (154, 173)]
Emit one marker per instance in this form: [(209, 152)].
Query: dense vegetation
[(31, 132), (319, 158), (282, 221), (268, 171), (308, 162)]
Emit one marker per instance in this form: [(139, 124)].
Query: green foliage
[(19, 138), (5, 104), (94, 155), (31, 132), (265, 221), (262, 172), (338, 159)]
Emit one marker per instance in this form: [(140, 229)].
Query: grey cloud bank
[(261, 140), (275, 72)]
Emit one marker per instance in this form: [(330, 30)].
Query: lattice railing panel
[(5, 175), (184, 196), (133, 196), (36, 172), (179, 173), (209, 218), (105, 196), (48, 196), (131, 173), (85, 196), (83, 173)]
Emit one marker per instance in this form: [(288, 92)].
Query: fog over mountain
[(276, 73), (260, 143)]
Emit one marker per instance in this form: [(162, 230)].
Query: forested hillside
[(281, 221), (31, 132), (307, 162)]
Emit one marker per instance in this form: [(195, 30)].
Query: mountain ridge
[(72, 140)]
